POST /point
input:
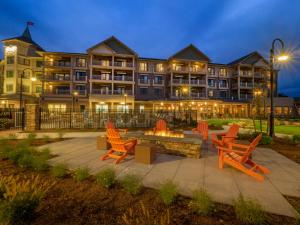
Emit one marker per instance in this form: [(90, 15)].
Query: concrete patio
[(190, 174)]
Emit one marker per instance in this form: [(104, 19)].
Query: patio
[(190, 174)]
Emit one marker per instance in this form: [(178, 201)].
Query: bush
[(39, 163), (201, 202), (30, 138), (20, 198), (5, 149), (106, 178), (266, 140), (132, 184), (249, 211), (81, 174), (296, 138), (59, 170), (168, 192)]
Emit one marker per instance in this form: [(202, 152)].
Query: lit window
[(159, 67), (9, 88), (223, 72), (10, 59), (38, 89), (57, 107), (143, 66), (142, 108), (211, 71), (210, 93), (80, 62), (9, 73)]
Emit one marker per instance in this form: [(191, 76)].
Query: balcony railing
[(123, 64), (198, 82), (160, 82), (223, 86), (80, 78), (123, 78), (58, 63), (81, 92), (197, 70), (212, 74), (198, 95), (144, 81), (245, 96), (57, 92), (110, 92), (246, 85), (57, 78), (246, 73), (102, 62), (122, 92), (101, 77), (180, 81), (259, 75), (180, 69)]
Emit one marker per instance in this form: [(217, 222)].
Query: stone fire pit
[(181, 145)]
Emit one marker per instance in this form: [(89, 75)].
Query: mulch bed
[(70, 202)]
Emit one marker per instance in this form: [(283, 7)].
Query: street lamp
[(74, 94), (281, 58)]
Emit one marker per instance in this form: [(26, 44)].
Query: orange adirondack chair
[(161, 125), (119, 148), (111, 125), (238, 156), (202, 129), (226, 137)]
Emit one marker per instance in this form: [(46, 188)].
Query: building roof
[(116, 45), (249, 59), (151, 59), (26, 37), (190, 53)]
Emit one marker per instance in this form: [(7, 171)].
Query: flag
[(29, 23)]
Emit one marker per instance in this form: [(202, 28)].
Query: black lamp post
[(281, 57)]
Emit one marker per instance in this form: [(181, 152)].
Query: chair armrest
[(222, 149), (231, 145)]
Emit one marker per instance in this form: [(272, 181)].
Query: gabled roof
[(249, 59), (190, 53), (115, 45), (26, 37)]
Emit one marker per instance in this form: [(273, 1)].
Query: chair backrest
[(202, 126), (118, 145), (110, 124), (112, 134), (161, 125), (232, 133), (252, 147)]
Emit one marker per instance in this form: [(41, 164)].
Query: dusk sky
[(224, 30)]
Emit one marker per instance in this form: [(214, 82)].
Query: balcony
[(58, 92), (259, 75), (81, 92), (223, 86), (158, 82), (246, 85), (54, 77), (104, 63), (197, 70), (196, 82), (101, 77), (144, 81), (180, 69), (198, 95), (80, 78), (245, 96), (122, 92), (180, 81), (58, 64), (245, 73), (123, 78), (123, 64), (212, 74), (110, 92)]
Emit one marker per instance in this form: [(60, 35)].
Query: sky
[(223, 29)]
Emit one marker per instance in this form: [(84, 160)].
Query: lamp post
[(74, 94), (282, 57)]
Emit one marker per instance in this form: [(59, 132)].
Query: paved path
[(190, 174)]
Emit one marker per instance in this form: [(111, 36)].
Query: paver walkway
[(190, 174)]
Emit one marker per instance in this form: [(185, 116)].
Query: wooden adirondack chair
[(202, 129), (226, 137), (111, 125), (161, 125), (119, 148), (238, 156)]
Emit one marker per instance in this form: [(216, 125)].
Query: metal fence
[(68, 119), (12, 118)]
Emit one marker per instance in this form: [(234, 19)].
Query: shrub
[(201, 202), (60, 135), (249, 211), (296, 138), (59, 170), (81, 174), (5, 149), (30, 138), (39, 163), (266, 140), (21, 196), (132, 184), (168, 192), (106, 178)]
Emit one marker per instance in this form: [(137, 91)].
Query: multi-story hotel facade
[(111, 76)]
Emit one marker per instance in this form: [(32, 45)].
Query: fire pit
[(170, 142)]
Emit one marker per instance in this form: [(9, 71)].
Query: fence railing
[(12, 118)]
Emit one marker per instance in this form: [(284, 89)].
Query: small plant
[(59, 170), (106, 178), (202, 203), (296, 138), (249, 211), (30, 138), (168, 192), (81, 174), (20, 197), (266, 140), (60, 135), (132, 184)]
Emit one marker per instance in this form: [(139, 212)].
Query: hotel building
[(111, 76)]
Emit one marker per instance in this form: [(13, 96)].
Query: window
[(57, 107), (61, 76), (158, 80), (223, 94), (9, 73), (38, 89), (144, 79), (82, 108), (25, 88), (210, 93), (9, 88), (105, 76), (223, 83), (211, 71), (80, 75), (23, 61), (142, 108), (211, 82), (10, 59), (223, 72), (143, 66), (39, 63), (101, 108), (122, 108), (80, 62), (25, 74), (143, 91), (157, 92), (159, 67)]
